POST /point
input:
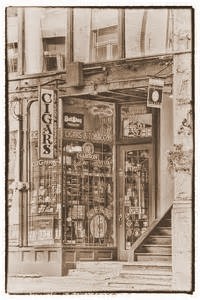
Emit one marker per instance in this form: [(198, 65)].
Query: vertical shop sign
[(155, 93), (48, 124)]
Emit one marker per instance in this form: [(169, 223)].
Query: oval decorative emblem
[(88, 148), (98, 226)]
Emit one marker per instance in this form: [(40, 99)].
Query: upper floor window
[(12, 57), (54, 28), (54, 53), (104, 34), (105, 43), (12, 40)]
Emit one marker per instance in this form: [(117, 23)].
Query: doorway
[(136, 206)]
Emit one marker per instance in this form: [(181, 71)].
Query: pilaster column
[(180, 163)]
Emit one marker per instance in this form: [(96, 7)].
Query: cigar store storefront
[(92, 176)]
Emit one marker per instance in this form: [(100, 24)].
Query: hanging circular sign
[(98, 226), (155, 96)]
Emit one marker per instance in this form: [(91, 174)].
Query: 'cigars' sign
[(48, 121)]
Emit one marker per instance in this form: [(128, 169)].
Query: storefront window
[(88, 173), (45, 202), (44, 209)]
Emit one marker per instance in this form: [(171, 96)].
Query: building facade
[(100, 137)]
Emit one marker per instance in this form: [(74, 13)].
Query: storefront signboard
[(87, 136), (73, 121), (155, 93), (48, 124)]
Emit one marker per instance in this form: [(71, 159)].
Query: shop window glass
[(45, 197), (136, 191), (88, 174), (105, 43), (136, 121), (54, 53), (12, 57)]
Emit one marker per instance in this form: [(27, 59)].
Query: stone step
[(159, 239), (142, 269), (95, 265), (141, 281), (142, 287), (155, 249), (162, 230), (165, 221), (157, 275), (147, 265), (147, 278), (92, 274), (152, 257)]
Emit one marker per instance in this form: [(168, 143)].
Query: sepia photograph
[(99, 149)]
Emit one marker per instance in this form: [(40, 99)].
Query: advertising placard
[(48, 124)]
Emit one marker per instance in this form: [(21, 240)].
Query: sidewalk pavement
[(68, 285)]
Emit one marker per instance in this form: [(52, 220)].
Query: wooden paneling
[(40, 256), (86, 255), (52, 256), (69, 255), (27, 256), (104, 255)]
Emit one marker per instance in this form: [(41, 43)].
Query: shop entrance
[(108, 177), (135, 205)]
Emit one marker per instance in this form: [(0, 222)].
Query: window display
[(88, 190), (45, 201), (88, 175)]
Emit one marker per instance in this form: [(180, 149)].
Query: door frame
[(122, 254)]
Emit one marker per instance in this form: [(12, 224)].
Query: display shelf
[(88, 174)]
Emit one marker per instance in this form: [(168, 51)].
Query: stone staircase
[(143, 276), (157, 246), (152, 267)]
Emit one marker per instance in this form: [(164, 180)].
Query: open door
[(136, 206)]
